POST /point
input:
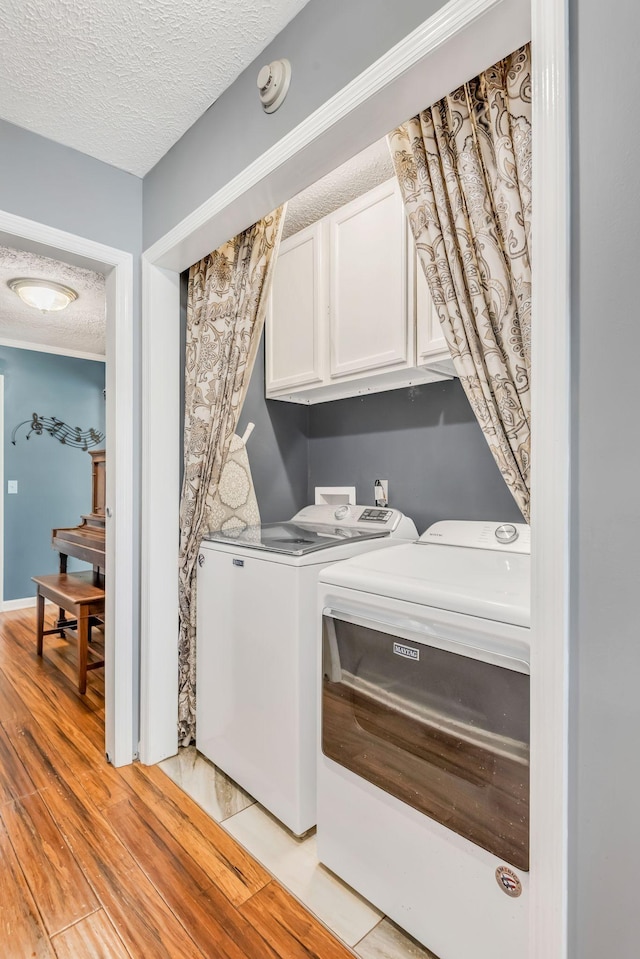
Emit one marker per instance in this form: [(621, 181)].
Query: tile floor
[(292, 861)]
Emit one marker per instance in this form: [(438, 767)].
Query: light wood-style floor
[(101, 862)]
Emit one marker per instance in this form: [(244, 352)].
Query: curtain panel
[(464, 168), (226, 306)]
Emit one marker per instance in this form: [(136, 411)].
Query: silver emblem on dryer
[(409, 652)]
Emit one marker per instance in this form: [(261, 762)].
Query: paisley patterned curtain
[(225, 314), (464, 167)]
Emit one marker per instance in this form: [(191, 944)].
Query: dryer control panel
[(506, 537)]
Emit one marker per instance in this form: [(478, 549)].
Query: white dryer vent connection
[(273, 84)]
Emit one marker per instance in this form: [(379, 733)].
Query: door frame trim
[(119, 627)]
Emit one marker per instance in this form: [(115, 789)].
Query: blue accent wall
[(54, 481)]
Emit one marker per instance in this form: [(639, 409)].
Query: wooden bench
[(77, 594)]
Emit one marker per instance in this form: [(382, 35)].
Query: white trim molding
[(160, 483), (55, 350), (550, 460), (120, 628), (28, 602)]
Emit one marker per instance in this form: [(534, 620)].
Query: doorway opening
[(120, 632), (450, 48)]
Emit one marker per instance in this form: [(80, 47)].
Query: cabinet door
[(430, 341), (295, 313), (368, 250)]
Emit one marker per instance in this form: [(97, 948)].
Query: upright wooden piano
[(87, 540)]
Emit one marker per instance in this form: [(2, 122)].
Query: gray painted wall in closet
[(277, 448), (425, 440)]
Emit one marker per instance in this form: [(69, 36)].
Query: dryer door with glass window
[(441, 726)]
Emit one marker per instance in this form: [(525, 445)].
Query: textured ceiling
[(81, 327), (122, 81), (361, 173)]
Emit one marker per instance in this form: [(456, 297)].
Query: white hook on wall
[(247, 433)]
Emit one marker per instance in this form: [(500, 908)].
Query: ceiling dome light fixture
[(44, 295)]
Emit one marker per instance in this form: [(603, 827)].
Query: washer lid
[(487, 583), (295, 539)]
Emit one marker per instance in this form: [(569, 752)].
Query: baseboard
[(27, 603)]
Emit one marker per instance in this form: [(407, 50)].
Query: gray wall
[(328, 44), (425, 440), (54, 481), (277, 449), (605, 564), (49, 183)]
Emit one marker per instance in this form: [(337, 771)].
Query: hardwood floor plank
[(12, 707), (46, 747), (289, 928), (105, 863), (50, 699), (132, 903), (22, 933), (106, 787), (15, 781), (56, 881), (30, 742), (150, 843), (63, 654), (227, 865), (91, 938), (215, 925), (44, 674)]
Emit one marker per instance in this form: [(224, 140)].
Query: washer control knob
[(341, 512), (506, 533)]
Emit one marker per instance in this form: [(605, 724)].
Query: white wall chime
[(273, 84)]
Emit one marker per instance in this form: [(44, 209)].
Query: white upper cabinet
[(349, 312), (431, 346), (294, 341), (368, 271)]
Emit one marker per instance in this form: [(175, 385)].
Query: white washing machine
[(423, 774), (257, 669)]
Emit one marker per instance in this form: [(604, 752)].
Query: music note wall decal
[(67, 435)]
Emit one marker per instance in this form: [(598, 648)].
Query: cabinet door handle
[(109, 512)]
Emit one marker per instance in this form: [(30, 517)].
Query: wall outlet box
[(381, 492), (12, 486)]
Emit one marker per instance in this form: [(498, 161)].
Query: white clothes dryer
[(423, 776), (257, 672)]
